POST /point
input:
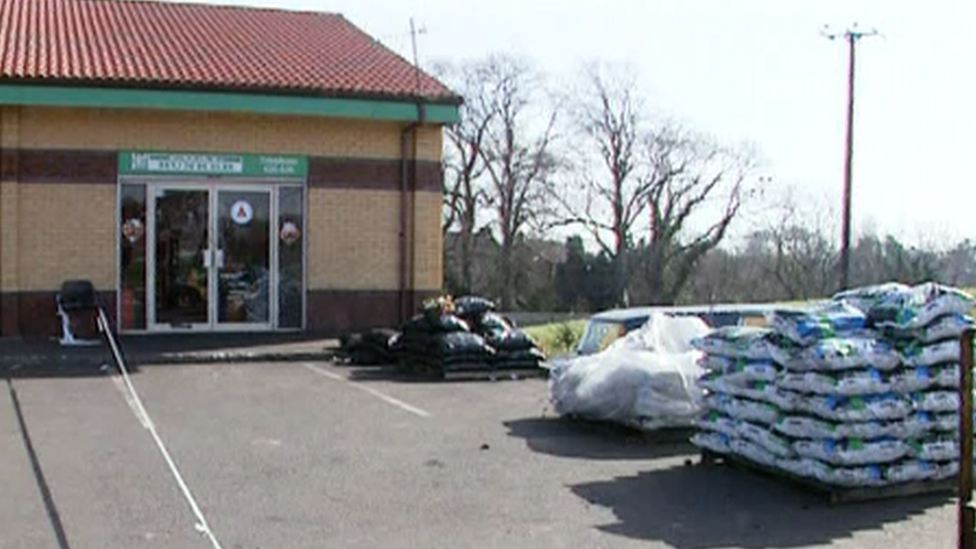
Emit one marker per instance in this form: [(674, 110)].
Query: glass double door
[(211, 254)]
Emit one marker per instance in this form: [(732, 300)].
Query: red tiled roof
[(154, 44)]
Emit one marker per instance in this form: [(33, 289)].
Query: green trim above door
[(233, 164)]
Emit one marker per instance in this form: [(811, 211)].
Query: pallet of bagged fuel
[(864, 393), (741, 400), (515, 351), (924, 324), (439, 343)]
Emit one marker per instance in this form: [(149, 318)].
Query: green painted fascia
[(63, 96)]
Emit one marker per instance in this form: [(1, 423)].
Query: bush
[(557, 338)]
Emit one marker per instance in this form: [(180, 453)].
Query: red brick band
[(329, 312), (79, 166)]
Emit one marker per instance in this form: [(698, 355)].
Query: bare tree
[(607, 117), (801, 256), (688, 177), (517, 156), (464, 163)]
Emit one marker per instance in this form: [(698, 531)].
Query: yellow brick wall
[(114, 129), (55, 231), (66, 230), (353, 241), (9, 215), (428, 250)]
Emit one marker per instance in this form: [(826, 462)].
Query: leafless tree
[(464, 193), (801, 257), (609, 200), (517, 155), (695, 189)]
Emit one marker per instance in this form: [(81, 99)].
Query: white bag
[(762, 436), (867, 298), (716, 442), (740, 372), (935, 449), (947, 470), (851, 383), (736, 341), (936, 401), (807, 325), (845, 353), (742, 409), (946, 376), (920, 306), (870, 475), (752, 452), (805, 427), (950, 326), (850, 452), (910, 470), (808, 382), (910, 380), (719, 423), (934, 353), (856, 409), (867, 430)]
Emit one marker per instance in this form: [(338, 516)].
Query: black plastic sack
[(369, 349), (434, 324), (520, 354), (512, 340), (492, 325), (471, 306), (464, 343)]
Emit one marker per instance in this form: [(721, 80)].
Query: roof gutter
[(400, 109), (405, 295)]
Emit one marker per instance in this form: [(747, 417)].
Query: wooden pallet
[(834, 494), (495, 375)]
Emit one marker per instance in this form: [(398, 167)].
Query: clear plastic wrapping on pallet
[(648, 378)]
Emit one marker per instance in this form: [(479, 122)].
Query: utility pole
[(851, 35)]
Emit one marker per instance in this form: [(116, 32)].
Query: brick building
[(214, 168)]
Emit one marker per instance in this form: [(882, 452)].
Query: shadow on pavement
[(46, 358), (711, 507), (384, 373), (49, 506), (591, 440), (88, 362)]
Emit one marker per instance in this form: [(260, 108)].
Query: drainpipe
[(411, 128)]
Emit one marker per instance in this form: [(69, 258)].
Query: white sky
[(755, 70)]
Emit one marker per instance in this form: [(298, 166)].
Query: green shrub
[(557, 338)]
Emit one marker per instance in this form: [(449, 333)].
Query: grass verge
[(558, 337)]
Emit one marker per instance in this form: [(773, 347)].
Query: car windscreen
[(599, 334)]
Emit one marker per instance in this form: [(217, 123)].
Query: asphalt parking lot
[(302, 455)]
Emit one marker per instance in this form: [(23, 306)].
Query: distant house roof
[(143, 44)]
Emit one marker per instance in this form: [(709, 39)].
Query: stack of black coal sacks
[(463, 337), (438, 342), (514, 349)]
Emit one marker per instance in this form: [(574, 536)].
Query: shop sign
[(246, 165)]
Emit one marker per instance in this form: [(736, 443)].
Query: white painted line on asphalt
[(120, 385), (139, 410), (367, 389)]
